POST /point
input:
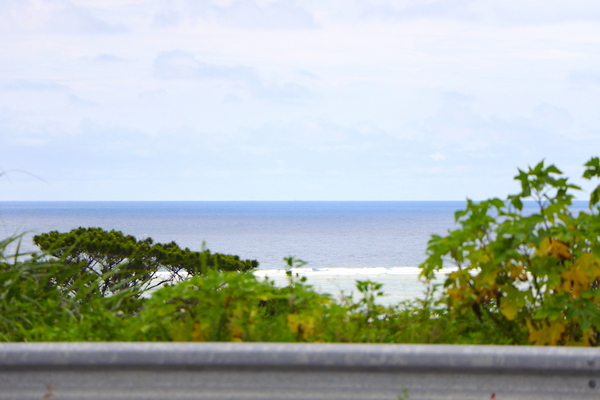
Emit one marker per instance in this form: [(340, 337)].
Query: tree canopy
[(122, 261)]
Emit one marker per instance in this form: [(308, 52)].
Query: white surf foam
[(399, 283), (359, 273)]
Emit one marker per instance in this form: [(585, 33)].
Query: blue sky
[(293, 99)]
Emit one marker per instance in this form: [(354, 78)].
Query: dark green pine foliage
[(121, 261)]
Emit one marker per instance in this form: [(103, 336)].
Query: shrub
[(229, 306), (534, 275), (36, 305)]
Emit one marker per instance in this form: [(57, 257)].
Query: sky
[(293, 99)]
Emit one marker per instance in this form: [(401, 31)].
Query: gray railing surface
[(295, 371)]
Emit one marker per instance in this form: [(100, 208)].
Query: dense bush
[(214, 306), (36, 305), (225, 306), (532, 274)]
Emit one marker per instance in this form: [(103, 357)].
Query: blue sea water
[(341, 241), (325, 234)]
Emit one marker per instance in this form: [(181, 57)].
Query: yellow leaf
[(559, 250), (303, 326), (544, 246), (517, 272), (487, 294), (486, 278), (554, 248), (455, 293), (509, 309), (293, 322), (197, 334), (550, 334), (236, 333), (574, 280), (590, 264), (589, 337)]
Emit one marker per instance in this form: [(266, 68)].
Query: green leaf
[(595, 196), (593, 168), (513, 301)]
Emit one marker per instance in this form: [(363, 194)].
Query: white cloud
[(166, 18), (455, 121), (552, 118), (56, 16), (109, 4), (153, 95), (307, 74), (80, 102), (500, 12), (35, 86), (69, 18), (249, 14), (437, 156), (585, 79), (279, 99), (108, 58), (184, 66)]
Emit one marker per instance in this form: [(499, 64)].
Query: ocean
[(382, 241)]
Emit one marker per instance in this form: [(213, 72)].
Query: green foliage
[(520, 276), (228, 306), (593, 171), (35, 306), (532, 275), (214, 306), (225, 306), (123, 261)]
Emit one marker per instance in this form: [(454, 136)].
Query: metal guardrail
[(80, 371)]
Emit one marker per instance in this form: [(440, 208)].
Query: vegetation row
[(520, 276)]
